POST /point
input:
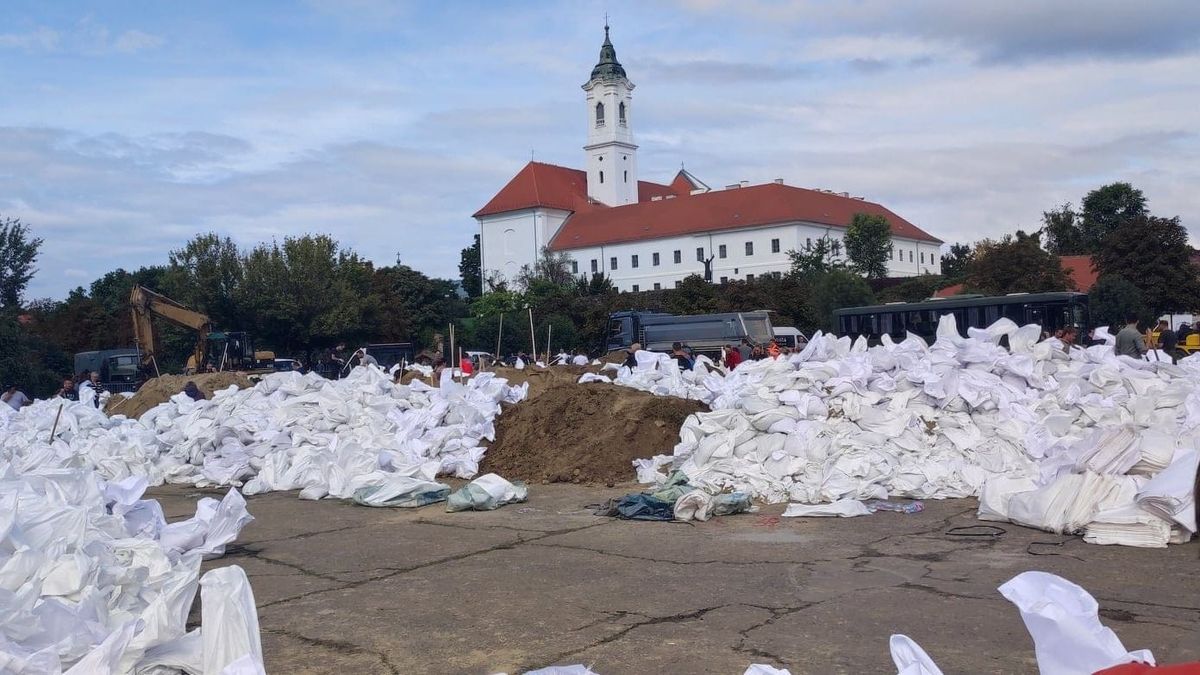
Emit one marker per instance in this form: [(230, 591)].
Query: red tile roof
[(677, 212), (730, 209), (1078, 267), (557, 187)]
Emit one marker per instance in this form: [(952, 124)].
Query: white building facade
[(647, 236)]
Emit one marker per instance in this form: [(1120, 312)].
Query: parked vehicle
[(704, 333), (789, 336), (1051, 311), (119, 368)]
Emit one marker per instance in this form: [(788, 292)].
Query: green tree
[(470, 269), (820, 258), (869, 244), (551, 267), (32, 363), (916, 289), (412, 306), (1153, 254), (206, 275), (1062, 231), (18, 253), (835, 290), (1016, 265), (956, 263), (1114, 298), (1107, 207), (693, 295)]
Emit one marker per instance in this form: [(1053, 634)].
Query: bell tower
[(611, 154)]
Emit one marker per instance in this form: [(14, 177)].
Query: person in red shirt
[(465, 366), (732, 357)]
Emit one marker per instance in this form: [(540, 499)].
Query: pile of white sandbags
[(1058, 437), (288, 432), (93, 579)]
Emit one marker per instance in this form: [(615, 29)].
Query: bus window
[(1016, 312), (973, 317), (992, 314), (885, 324), (1036, 314)]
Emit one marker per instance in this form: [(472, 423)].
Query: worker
[(732, 357), (580, 359), (681, 357), (1167, 339), (1129, 341), (630, 358), (67, 391), (193, 392), (773, 350), (464, 365), (745, 350), (1070, 335), (15, 397)]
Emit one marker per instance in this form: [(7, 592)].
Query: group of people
[(85, 387), (1134, 343), (731, 355)]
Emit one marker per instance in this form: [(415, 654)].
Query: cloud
[(133, 41), (714, 70), (38, 39)]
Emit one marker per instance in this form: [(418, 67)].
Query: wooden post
[(499, 334), (548, 356), (451, 359), (532, 337), (54, 429)]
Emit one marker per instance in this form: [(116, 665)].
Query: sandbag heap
[(93, 579), (1061, 440), (288, 432)]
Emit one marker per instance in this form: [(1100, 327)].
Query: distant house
[(1079, 269), (646, 236)]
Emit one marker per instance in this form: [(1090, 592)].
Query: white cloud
[(133, 41), (40, 38)]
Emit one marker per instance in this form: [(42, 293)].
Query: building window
[(749, 248), (612, 263), (910, 256), (777, 275), (633, 261), (601, 177), (893, 253), (749, 277), (724, 280), (574, 267), (774, 246), (922, 257), (700, 254), (599, 114), (626, 176), (621, 112), (676, 283), (654, 259), (595, 266), (658, 287), (635, 288), (678, 257), (721, 251), (808, 243)]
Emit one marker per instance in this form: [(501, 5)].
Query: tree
[(206, 275), (412, 306), (693, 295), (835, 290), (1062, 230), (1112, 299), (1107, 207), (18, 253), (869, 244), (1153, 254), (916, 289), (1016, 265), (470, 270), (956, 263), (550, 266), (820, 258)]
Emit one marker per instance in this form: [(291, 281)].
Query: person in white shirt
[(15, 397), (580, 359)]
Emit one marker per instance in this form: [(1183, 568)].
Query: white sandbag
[(763, 669), (1063, 620), (228, 620), (562, 670), (485, 493), (1128, 525), (909, 658), (844, 508), (694, 505), (1171, 494)]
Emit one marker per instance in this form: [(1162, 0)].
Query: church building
[(645, 235)]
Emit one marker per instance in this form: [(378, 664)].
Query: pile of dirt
[(584, 433), (159, 389)]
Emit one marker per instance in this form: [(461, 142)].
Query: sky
[(126, 128)]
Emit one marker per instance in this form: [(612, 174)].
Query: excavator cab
[(235, 351)]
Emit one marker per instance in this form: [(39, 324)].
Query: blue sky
[(128, 127)]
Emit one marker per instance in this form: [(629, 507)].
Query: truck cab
[(704, 333), (120, 369)]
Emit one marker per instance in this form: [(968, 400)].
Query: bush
[(1114, 298)]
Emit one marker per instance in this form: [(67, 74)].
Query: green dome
[(609, 67)]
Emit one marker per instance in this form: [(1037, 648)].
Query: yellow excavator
[(215, 350)]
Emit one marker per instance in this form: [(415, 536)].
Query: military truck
[(704, 333)]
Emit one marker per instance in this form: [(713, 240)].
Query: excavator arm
[(146, 304)]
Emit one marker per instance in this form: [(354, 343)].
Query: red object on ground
[(733, 358), (1143, 669), (465, 366)]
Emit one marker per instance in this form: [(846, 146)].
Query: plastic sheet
[(909, 658), (486, 493)]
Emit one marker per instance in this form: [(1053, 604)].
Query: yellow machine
[(220, 351)]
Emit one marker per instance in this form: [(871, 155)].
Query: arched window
[(599, 114), (601, 177), (621, 112)]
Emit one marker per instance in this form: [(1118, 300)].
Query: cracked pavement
[(342, 588)]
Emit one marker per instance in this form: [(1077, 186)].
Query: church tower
[(611, 154)]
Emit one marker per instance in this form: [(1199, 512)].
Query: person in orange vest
[(465, 366)]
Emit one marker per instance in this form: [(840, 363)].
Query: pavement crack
[(629, 556), (340, 646)]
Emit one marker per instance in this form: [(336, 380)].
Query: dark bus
[(1051, 311)]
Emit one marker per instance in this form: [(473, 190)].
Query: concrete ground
[(349, 589)]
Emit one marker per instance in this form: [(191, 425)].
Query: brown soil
[(584, 433), (159, 389)]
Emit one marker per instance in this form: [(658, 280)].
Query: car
[(286, 365), (786, 336)]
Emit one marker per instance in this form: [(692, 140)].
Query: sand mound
[(159, 389), (584, 433)]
